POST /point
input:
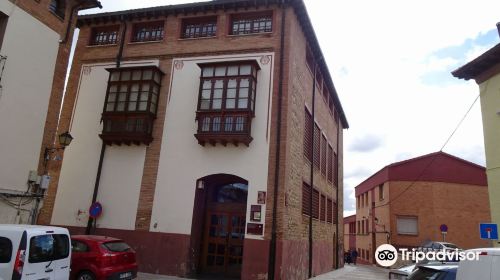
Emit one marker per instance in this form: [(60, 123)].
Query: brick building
[(195, 129), (405, 203), (349, 233), (31, 89)]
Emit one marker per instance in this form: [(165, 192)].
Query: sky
[(390, 61)]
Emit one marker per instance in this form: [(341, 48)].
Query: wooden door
[(223, 243)]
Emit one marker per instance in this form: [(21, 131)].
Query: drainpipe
[(119, 57), (272, 248), (311, 178), (337, 197)]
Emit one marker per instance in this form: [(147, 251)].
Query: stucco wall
[(490, 107), (24, 97), (122, 166), (183, 160)]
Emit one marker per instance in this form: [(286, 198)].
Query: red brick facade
[(296, 90)]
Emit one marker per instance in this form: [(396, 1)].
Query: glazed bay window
[(148, 31), (131, 105), (226, 102), (251, 23), (199, 27)]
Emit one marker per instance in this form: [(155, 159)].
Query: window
[(358, 228), (307, 135), (50, 247), (363, 227), (58, 7), (326, 94), (381, 192), (79, 247), (107, 35), (309, 59), (148, 31), (330, 105), (306, 196), (323, 155), (226, 102), (367, 226), (131, 104), (116, 246), (231, 193), (335, 165), (407, 225), (329, 211), (199, 27), (329, 160), (323, 208), (251, 23), (335, 213), (315, 204), (5, 250), (317, 139)]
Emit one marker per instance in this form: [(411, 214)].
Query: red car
[(101, 258)]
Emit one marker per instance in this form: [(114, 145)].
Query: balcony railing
[(224, 127), (127, 128)]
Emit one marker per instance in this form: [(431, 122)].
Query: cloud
[(357, 172), (366, 143)]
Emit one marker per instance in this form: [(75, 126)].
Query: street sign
[(443, 228), (488, 231), (95, 210)]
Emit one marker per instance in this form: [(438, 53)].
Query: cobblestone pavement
[(355, 272)]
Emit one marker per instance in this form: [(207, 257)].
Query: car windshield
[(116, 246), (450, 245), (49, 247), (426, 274)]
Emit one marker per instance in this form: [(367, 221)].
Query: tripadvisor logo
[(386, 255)]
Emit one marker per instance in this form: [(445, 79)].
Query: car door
[(6, 257), (79, 257), (38, 261), (62, 257)]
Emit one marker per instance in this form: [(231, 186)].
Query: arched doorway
[(223, 215)]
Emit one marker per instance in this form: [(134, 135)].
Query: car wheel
[(86, 275)]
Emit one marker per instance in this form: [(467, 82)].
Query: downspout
[(272, 248), (311, 174), (337, 197), (103, 146)]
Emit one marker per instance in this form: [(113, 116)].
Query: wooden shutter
[(307, 135), (317, 139), (323, 155), (315, 204), (306, 195)]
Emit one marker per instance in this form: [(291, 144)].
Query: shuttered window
[(315, 204), (317, 139), (307, 135), (407, 225), (329, 211), (322, 214), (306, 196), (335, 169), (335, 219), (330, 163), (323, 155)]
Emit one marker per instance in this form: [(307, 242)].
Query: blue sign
[(488, 231), (95, 210), (443, 228)]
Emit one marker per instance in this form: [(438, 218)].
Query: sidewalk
[(149, 276)]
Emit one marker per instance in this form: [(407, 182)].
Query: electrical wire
[(412, 183)]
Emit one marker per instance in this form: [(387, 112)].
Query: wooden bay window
[(131, 105), (226, 102)]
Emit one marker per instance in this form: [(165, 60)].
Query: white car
[(34, 252), (486, 268), (438, 246)]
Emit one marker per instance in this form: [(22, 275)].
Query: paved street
[(355, 272), (349, 272)]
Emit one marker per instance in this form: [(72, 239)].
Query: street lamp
[(64, 140)]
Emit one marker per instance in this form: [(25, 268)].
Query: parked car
[(486, 268), (34, 252), (435, 272), (401, 273), (102, 258), (438, 246)]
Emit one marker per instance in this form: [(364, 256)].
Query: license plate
[(126, 275)]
